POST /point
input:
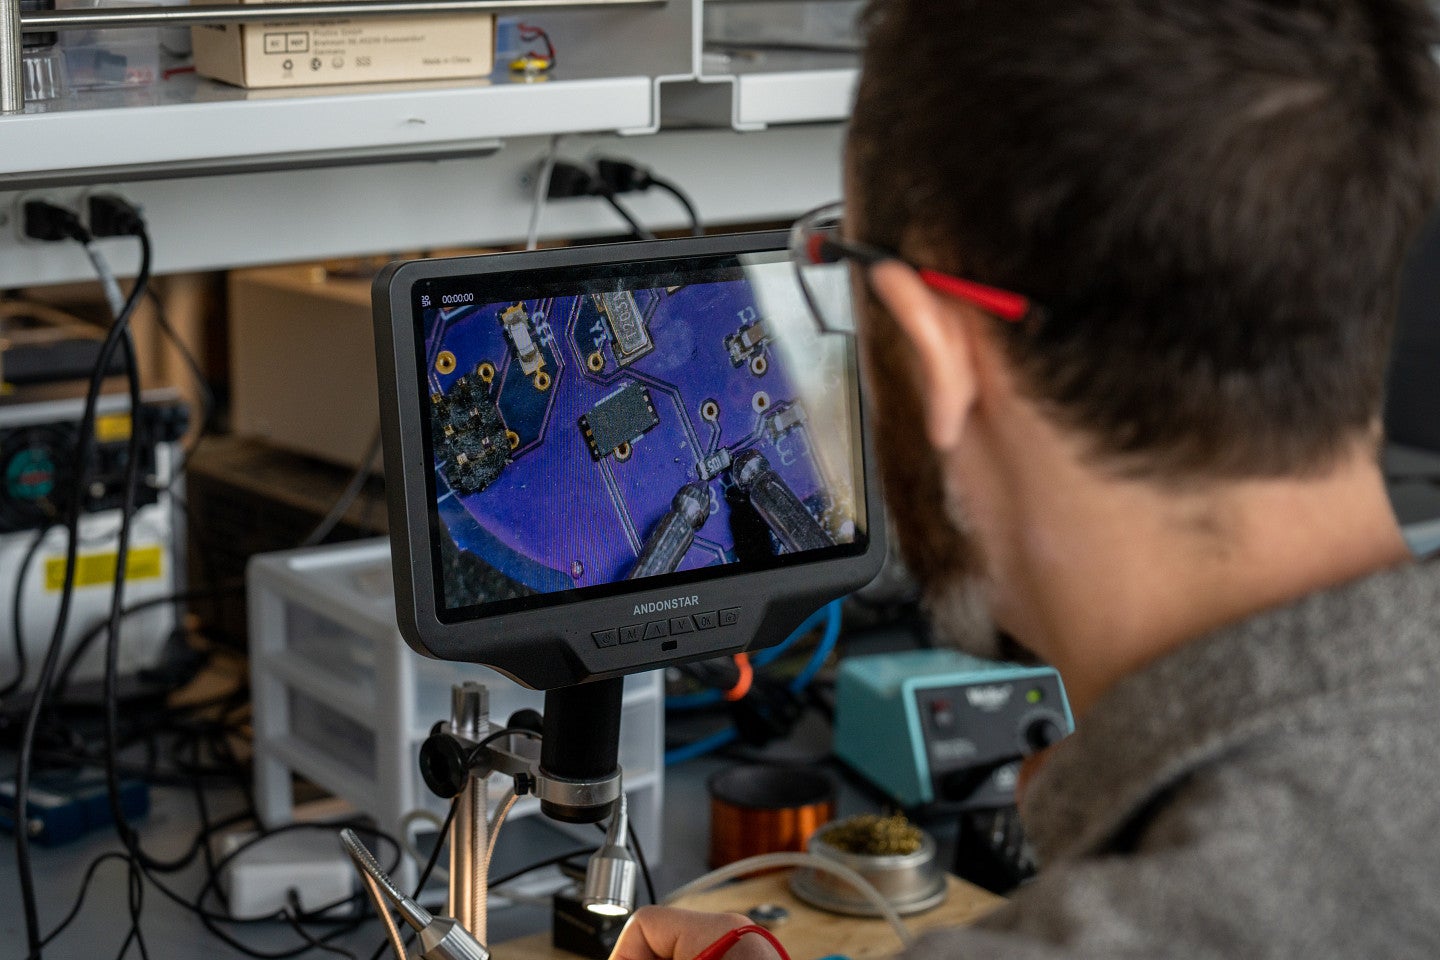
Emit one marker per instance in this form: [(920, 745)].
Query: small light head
[(610, 882)]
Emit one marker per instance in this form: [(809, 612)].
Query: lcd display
[(665, 421)]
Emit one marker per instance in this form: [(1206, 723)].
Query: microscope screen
[(591, 426)]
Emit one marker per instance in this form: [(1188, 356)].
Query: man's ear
[(947, 376)]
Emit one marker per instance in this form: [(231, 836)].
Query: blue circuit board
[(563, 429)]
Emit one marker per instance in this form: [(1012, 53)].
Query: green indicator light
[(1035, 695)]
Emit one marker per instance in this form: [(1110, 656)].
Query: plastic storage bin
[(342, 701)]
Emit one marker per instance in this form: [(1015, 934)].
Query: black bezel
[(545, 640)]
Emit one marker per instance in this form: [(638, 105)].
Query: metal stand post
[(575, 776), (12, 90), (470, 831)]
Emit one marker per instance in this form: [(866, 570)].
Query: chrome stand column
[(12, 90), (469, 833)]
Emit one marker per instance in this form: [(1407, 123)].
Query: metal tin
[(912, 883)]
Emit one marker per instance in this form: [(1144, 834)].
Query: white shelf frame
[(230, 177)]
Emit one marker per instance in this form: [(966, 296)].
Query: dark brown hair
[(1211, 198)]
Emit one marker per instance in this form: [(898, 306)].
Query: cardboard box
[(302, 361), (359, 50), (302, 356)]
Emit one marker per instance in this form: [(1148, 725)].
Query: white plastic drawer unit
[(342, 701)]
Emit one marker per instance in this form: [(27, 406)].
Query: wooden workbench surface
[(809, 933)]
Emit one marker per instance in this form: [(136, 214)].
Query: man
[(1162, 477)]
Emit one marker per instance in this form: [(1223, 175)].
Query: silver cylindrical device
[(610, 882), (469, 709), (675, 532), (777, 504)]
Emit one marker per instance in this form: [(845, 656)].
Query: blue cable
[(823, 650), (693, 701), (831, 613), (701, 747)]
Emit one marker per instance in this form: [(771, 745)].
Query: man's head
[(1210, 202)]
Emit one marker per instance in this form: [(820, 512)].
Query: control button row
[(657, 629)]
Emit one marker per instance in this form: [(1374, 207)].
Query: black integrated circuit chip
[(470, 435), (621, 417)]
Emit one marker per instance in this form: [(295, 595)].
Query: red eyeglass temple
[(1002, 303)]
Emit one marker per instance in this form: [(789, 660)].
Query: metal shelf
[(243, 219), (189, 125), (763, 99), (749, 90), (232, 177)]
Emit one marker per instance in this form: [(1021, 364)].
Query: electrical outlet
[(69, 199), (101, 222)]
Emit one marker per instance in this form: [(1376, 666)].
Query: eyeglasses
[(818, 252)]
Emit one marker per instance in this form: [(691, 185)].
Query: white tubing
[(768, 861)]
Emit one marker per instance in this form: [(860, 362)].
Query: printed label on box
[(348, 51)]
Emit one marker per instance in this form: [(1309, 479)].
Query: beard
[(928, 520)]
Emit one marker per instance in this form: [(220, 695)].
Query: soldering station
[(439, 513)]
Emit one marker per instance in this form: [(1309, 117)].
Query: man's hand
[(665, 933)]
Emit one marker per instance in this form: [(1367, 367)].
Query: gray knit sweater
[(1272, 790)]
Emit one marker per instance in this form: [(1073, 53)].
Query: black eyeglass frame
[(813, 245)]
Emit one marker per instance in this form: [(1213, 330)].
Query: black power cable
[(696, 228), (82, 645), (347, 497), (540, 865), (573, 180), (16, 618), (140, 866), (202, 385), (636, 228), (136, 899), (644, 865), (67, 591), (625, 176), (210, 918)]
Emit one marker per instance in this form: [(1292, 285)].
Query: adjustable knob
[(1042, 732), (444, 764)]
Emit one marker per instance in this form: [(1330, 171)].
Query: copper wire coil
[(759, 809)]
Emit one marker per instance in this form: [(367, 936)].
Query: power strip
[(306, 868)]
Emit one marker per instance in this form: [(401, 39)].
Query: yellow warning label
[(95, 569), (112, 427)]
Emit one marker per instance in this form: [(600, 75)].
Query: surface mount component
[(714, 465), (627, 323), (619, 418), (471, 437), (783, 419), (747, 342), (518, 332)]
